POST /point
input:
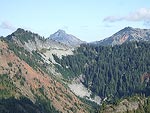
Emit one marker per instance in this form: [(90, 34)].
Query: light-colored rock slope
[(62, 98)]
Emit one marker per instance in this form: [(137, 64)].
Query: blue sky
[(89, 20)]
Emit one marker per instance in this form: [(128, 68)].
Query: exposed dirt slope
[(30, 83)]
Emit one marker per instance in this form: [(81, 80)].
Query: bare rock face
[(67, 39), (124, 106), (26, 81), (125, 35), (32, 41)]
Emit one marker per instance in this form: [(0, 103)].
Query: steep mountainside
[(125, 35), (134, 104), (36, 73), (24, 105), (111, 72), (62, 37), (32, 41), (24, 75)]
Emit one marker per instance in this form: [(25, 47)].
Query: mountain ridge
[(23, 75), (68, 39), (125, 35), (25, 36), (61, 37), (36, 68)]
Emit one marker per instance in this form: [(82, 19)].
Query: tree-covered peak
[(24, 36)]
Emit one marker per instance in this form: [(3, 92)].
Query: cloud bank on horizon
[(7, 25), (142, 14)]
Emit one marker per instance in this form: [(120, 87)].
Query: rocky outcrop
[(125, 35), (124, 106), (67, 39)]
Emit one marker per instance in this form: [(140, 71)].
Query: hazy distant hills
[(67, 39), (125, 35)]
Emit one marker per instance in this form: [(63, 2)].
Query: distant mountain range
[(63, 40), (67, 39), (32, 41), (125, 35)]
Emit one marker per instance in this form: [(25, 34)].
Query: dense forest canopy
[(121, 70)]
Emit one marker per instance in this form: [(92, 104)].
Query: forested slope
[(111, 71)]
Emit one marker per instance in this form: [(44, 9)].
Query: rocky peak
[(60, 34), (125, 35), (19, 30), (24, 35), (67, 39), (128, 28), (125, 30), (60, 31)]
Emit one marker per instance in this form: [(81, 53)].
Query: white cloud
[(113, 18), (7, 25), (142, 14)]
